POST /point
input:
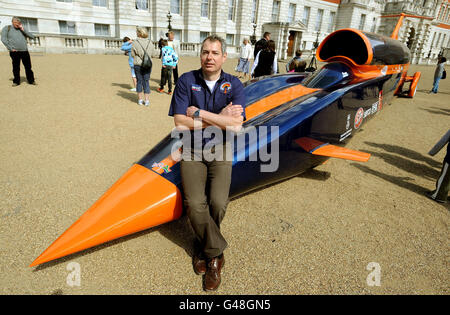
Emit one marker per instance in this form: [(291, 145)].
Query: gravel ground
[(67, 140)]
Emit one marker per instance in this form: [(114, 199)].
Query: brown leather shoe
[(199, 264), (212, 276)]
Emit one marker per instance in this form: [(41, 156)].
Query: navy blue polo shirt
[(191, 90)]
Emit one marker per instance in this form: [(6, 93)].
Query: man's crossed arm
[(229, 118)]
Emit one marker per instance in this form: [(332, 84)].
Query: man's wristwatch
[(196, 114)]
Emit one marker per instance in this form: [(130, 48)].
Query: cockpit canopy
[(332, 74)]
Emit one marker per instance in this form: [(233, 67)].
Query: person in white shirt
[(175, 44), (244, 60)]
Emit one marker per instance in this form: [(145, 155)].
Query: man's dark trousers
[(206, 187), (16, 56), (175, 74)]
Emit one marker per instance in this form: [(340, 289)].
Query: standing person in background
[(14, 37), (266, 61), (140, 47), (126, 46), (438, 74), (244, 60), (169, 61), (261, 44), (175, 44)]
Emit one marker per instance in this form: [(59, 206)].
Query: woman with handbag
[(265, 61), (142, 51)]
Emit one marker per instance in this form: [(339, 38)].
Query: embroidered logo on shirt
[(162, 166), (195, 87), (225, 87)]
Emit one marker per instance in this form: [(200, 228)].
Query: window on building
[(331, 21), (100, 3), (443, 40), (175, 6), (67, 27), (205, 8), (255, 11), (318, 20), (142, 4), (291, 12), (101, 29), (203, 35), (362, 22), (29, 24), (275, 11), (305, 19), (231, 6), (374, 25), (230, 39)]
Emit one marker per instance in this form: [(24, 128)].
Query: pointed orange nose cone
[(139, 200)]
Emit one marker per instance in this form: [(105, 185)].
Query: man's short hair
[(164, 42), (15, 18), (266, 34), (125, 39), (216, 38), (298, 53)]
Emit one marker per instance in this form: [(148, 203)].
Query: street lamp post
[(316, 43), (169, 18), (253, 37)]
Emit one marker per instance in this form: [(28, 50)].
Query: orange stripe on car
[(276, 99)]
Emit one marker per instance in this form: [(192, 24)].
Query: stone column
[(192, 14), (219, 17)]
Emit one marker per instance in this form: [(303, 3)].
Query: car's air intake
[(362, 48)]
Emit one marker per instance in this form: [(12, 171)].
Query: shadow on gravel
[(401, 181), (129, 96), (437, 111), (122, 85), (426, 92), (418, 169), (408, 153)]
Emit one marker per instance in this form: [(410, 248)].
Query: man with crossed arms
[(203, 98)]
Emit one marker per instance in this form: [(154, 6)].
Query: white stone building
[(360, 14), (97, 26), (427, 34)]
